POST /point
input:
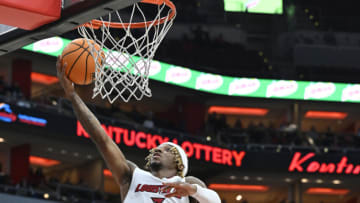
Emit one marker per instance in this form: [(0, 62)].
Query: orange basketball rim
[(96, 24)]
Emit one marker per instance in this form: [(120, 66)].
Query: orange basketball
[(80, 67)]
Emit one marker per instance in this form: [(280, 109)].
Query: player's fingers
[(64, 67), (175, 184), (58, 64), (173, 194), (60, 68), (166, 188), (59, 59)]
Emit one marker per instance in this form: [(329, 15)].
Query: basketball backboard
[(73, 14)]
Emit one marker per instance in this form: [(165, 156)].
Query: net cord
[(119, 74)]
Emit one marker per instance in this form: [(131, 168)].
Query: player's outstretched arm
[(115, 159)]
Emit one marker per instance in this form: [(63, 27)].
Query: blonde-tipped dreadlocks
[(177, 160)]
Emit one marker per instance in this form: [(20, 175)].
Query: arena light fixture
[(319, 181), (327, 191), (238, 110), (288, 180), (46, 195), (235, 187), (326, 114), (40, 161), (336, 182), (232, 177), (259, 178), (43, 78), (238, 197), (304, 180)]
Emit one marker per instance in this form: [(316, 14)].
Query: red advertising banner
[(298, 164), (142, 140)]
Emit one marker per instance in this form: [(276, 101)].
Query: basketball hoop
[(129, 41)]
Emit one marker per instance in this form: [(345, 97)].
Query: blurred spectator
[(148, 122), (211, 125), (222, 123), (15, 91), (200, 35), (3, 177), (329, 38), (286, 134), (283, 200), (329, 137), (251, 128), (238, 125), (135, 114), (357, 138), (2, 86), (313, 134), (39, 177)]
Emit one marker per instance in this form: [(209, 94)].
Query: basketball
[(80, 62)]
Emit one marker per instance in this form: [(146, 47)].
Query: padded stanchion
[(29, 15)]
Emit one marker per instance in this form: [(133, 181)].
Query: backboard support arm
[(73, 15)]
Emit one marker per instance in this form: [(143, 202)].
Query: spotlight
[(304, 180), (319, 181), (232, 177), (46, 196), (336, 182)]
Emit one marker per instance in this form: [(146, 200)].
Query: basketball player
[(167, 163)]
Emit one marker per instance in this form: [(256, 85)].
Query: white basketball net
[(126, 53)]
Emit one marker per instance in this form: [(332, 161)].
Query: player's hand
[(180, 189), (64, 81)]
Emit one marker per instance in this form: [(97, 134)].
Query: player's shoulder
[(194, 180), (131, 165)]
